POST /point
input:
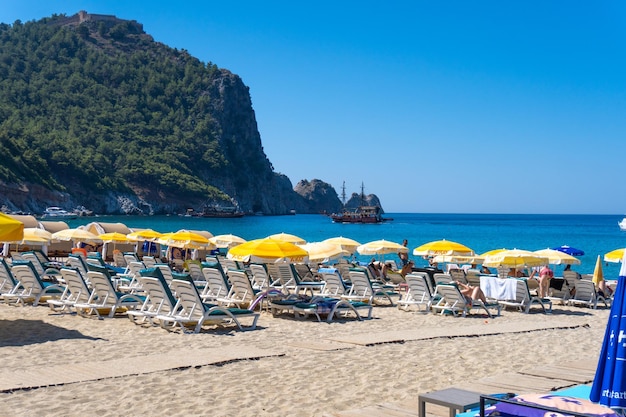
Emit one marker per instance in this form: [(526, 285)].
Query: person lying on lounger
[(470, 292)]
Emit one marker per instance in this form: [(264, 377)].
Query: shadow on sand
[(27, 332)]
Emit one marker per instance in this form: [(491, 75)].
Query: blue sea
[(595, 234)]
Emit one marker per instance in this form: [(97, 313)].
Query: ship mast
[(343, 193), (362, 194)]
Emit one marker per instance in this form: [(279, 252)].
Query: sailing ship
[(363, 214), (228, 212)]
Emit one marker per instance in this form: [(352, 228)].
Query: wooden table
[(457, 400)]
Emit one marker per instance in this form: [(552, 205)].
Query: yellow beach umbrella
[(36, 236), (345, 243), (598, 275), (286, 237), (114, 237), (76, 235), (614, 256), (442, 247), (515, 258), (186, 239), (459, 259), (323, 251), (380, 247), (556, 257), (11, 230), (267, 250), (144, 234), (226, 241), (492, 252)]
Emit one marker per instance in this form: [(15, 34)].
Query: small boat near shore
[(222, 212), (622, 224), (57, 213)]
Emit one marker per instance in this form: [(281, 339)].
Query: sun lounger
[(159, 299), (586, 294), (453, 301), (524, 300), (418, 293), (362, 290), (194, 313), (76, 291), (30, 286), (7, 280), (104, 298), (243, 295), (331, 307), (217, 288), (260, 277)]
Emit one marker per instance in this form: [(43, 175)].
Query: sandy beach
[(285, 367)]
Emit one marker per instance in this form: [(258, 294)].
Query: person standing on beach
[(404, 255), (545, 275)]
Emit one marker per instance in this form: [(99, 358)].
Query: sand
[(285, 367)]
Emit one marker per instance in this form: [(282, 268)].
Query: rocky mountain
[(95, 113), (319, 197), (357, 200)]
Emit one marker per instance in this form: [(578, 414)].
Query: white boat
[(57, 213), (622, 224)]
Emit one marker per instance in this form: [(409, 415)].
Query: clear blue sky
[(436, 106)]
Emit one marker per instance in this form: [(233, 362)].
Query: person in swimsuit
[(471, 293)]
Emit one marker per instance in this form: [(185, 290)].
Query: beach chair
[(332, 308), (418, 293), (441, 278), (334, 285), (159, 299), (228, 264), (586, 294), (260, 277), (129, 281), (362, 289), (290, 280), (473, 277), (167, 272), (7, 280), (76, 291), (29, 286), (217, 288), (149, 261), (503, 271), (194, 313), (195, 271), (131, 257), (458, 274), (41, 268), (242, 294), (560, 295), (104, 298), (571, 278), (78, 263), (118, 259), (453, 301), (524, 300), (305, 272)]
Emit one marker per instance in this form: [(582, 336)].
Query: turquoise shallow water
[(595, 234)]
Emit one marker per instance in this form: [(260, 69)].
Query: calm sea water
[(595, 234)]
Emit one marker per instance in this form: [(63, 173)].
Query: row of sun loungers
[(446, 297), (226, 294)]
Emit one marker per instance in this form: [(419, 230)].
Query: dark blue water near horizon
[(595, 234)]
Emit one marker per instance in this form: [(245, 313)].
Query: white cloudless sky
[(451, 106)]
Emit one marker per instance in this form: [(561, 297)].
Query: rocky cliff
[(94, 113)]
